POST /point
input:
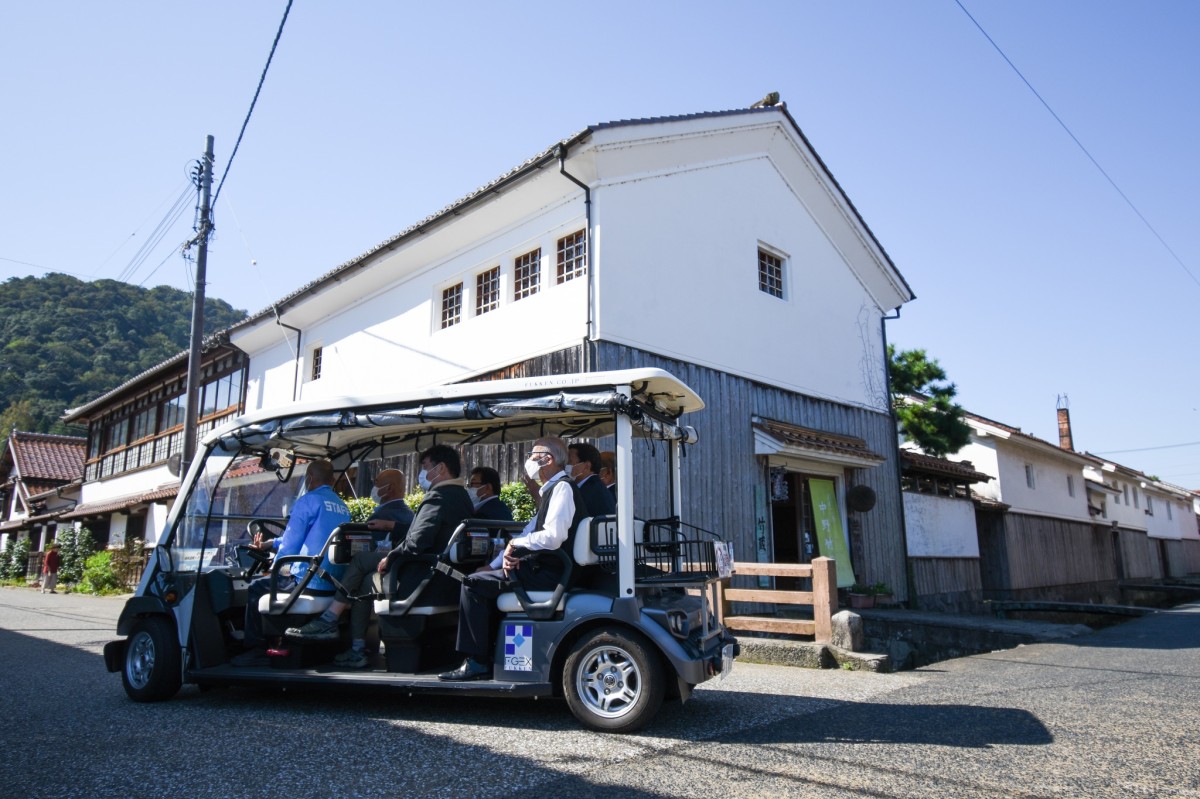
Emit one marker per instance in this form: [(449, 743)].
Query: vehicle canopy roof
[(487, 412)]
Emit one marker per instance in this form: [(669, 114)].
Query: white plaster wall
[(1180, 525), (982, 455), (1049, 496), (272, 371), (117, 525), (678, 275), (1127, 514), (940, 527), (156, 523), (126, 484), (391, 339)]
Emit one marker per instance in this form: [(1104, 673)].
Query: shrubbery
[(14, 560), (519, 500), (76, 546), (98, 575)]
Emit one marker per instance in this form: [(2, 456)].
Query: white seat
[(584, 556), (305, 604)]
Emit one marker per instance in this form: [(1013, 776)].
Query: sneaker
[(351, 659), (316, 630)]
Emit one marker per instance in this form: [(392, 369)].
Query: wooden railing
[(823, 599)]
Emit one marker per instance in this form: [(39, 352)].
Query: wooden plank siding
[(1023, 555), (1140, 556), (1190, 550), (1174, 565), (725, 471), (949, 585)]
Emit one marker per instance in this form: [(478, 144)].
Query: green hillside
[(64, 342)]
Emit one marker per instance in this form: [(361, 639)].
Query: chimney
[(1064, 424)]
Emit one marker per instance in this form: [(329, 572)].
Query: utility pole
[(192, 406)]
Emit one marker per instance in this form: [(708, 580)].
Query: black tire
[(151, 672), (613, 680)]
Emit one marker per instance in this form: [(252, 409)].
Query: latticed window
[(770, 273), (527, 274), (572, 257), (452, 305), (316, 363), (487, 291)]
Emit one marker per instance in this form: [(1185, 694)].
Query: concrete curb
[(805, 654)]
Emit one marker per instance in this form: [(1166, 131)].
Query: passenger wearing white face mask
[(445, 506), (392, 516), (527, 559), (484, 488)]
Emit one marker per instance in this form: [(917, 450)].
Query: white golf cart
[(631, 624)]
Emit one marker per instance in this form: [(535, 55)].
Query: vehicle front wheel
[(152, 661), (613, 681)]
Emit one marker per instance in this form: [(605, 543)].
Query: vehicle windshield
[(229, 492)]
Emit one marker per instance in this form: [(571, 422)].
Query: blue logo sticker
[(518, 647)]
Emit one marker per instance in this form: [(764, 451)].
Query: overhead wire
[(184, 190), (246, 121), (1079, 144), (156, 236)]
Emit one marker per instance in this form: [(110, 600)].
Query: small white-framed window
[(1070, 485), (527, 274), (1030, 476), (1149, 505), (1125, 493), (316, 357), (1169, 515), (452, 305), (572, 256), (487, 291), (1135, 498), (770, 273)]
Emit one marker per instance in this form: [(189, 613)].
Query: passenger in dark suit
[(444, 508), (484, 487), (527, 559), (608, 471), (584, 463)]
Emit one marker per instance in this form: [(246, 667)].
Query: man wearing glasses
[(527, 559)]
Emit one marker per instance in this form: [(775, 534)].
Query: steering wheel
[(259, 559)]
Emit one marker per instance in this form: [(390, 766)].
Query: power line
[(96, 271), (1148, 449), (156, 236), (1079, 144), (246, 121)]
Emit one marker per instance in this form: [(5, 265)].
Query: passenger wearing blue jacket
[(314, 517)]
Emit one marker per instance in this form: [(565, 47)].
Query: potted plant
[(882, 593), (861, 596)]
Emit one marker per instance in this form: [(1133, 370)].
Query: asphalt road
[(1116, 713)]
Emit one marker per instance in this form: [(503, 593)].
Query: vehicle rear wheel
[(613, 681), (152, 665)]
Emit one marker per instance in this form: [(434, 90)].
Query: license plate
[(726, 662)]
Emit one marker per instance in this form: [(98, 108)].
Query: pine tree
[(923, 401)]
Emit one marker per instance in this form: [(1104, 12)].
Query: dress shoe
[(469, 670)]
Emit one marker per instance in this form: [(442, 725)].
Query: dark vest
[(542, 558)]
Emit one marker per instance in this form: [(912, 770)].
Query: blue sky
[(1033, 276)]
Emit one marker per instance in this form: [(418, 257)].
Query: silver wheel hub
[(608, 681), (139, 662)]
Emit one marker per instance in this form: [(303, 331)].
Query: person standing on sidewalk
[(50, 569)]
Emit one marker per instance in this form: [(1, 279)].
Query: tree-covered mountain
[(64, 342)]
